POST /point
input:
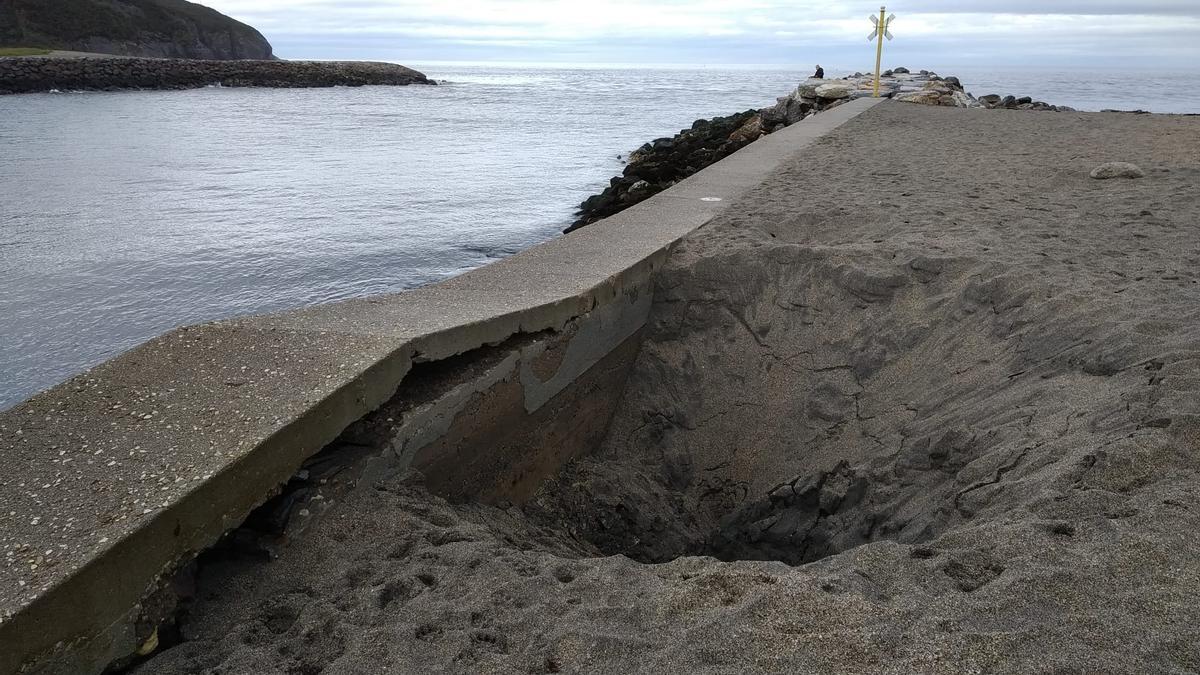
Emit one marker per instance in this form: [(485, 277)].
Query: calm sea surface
[(125, 215)]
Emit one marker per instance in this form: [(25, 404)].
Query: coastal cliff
[(31, 74), (151, 28)]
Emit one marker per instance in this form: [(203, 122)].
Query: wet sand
[(926, 401)]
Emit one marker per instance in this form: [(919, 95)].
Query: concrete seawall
[(126, 472), (32, 74)]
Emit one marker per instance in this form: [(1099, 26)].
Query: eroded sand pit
[(930, 409)]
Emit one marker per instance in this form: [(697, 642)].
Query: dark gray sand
[(944, 385)]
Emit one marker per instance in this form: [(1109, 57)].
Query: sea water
[(123, 215)]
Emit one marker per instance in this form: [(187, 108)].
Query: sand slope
[(932, 388)]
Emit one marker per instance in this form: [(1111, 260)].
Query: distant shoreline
[(77, 71)]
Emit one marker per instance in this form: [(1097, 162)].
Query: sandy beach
[(925, 401)]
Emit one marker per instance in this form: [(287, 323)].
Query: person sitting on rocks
[(820, 74)]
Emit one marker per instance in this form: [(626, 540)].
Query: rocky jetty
[(32, 74), (661, 163), (152, 28)]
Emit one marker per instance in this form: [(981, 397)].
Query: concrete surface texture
[(122, 474), (928, 409)]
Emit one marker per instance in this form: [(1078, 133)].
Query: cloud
[(1059, 7), (1152, 31)]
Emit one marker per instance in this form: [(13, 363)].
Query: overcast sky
[(1163, 34)]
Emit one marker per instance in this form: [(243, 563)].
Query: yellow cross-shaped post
[(882, 24)]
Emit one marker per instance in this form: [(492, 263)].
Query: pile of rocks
[(929, 88), (924, 87), (31, 74), (663, 162), (1010, 102)]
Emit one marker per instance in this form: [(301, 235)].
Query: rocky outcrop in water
[(31, 74), (154, 28)]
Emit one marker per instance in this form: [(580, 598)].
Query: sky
[(1159, 34)]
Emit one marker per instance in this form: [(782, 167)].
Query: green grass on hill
[(23, 51), (127, 27)]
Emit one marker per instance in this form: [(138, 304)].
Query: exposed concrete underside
[(937, 406)]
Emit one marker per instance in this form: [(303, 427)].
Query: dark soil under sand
[(926, 401)]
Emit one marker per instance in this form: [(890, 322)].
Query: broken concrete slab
[(122, 473)]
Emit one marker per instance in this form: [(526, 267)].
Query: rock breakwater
[(32, 74), (663, 162)]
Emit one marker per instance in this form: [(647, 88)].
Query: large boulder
[(808, 88), (964, 100), (925, 97), (797, 110), (748, 132), (776, 114), (1117, 170), (990, 100), (834, 90)]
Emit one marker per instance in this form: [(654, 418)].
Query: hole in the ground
[(626, 509)]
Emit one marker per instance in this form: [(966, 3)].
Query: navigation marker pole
[(881, 31)]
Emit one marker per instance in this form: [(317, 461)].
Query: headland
[(146, 28), (114, 45)]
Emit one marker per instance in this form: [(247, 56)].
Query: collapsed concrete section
[(123, 475), (889, 416)]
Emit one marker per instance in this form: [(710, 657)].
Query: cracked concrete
[(121, 476)]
